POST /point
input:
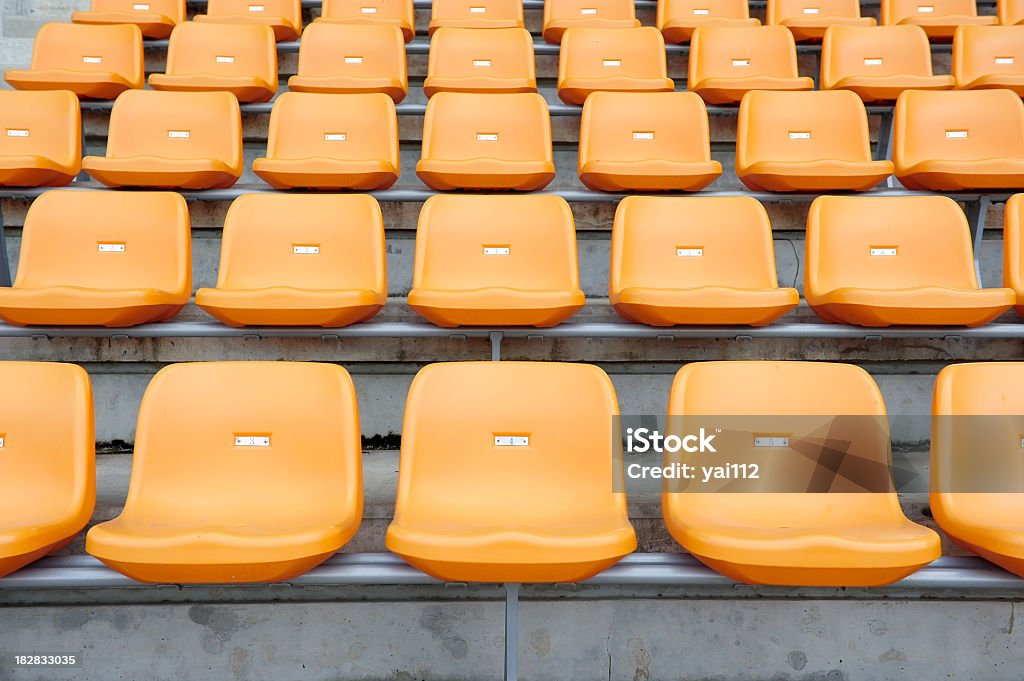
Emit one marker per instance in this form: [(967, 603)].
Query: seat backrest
[(689, 242), (1013, 246), (1010, 12), (360, 50), (291, 10), (612, 52), (562, 472), (47, 460), (886, 243), (173, 9), (45, 123), (895, 11), (176, 125), (637, 126), (460, 125), (107, 240), (369, 10), (98, 49), (223, 50), (310, 241), (781, 10), (802, 126), (700, 9), (562, 10), (963, 125), (483, 10), (742, 52), (986, 50), (350, 126), (874, 51), (471, 52), (517, 242), (248, 439)]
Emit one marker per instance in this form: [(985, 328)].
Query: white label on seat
[(256, 8), (335, 136), (141, 7), (588, 10), (252, 441), (925, 9), (701, 12), (179, 134), (690, 252), (810, 10), (956, 134), (92, 60), (612, 62), (111, 248), (741, 62), (511, 441), (1021, 442), (225, 60), (872, 61), (643, 135), (1, 443), (481, 62), (497, 250), (885, 252), (477, 10), (1004, 60), (306, 250), (487, 137), (353, 60), (771, 441), (799, 135), (368, 10), (15, 132)]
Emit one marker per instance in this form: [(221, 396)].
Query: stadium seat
[(611, 60), (331, 142), (101, 259), (687, 260), (560, 15), (373, 60), (645, 141), (475, 14), (976, 423), (475, 60), (808, 19), (677, 19), (496, 261), (236, 58), (726, 63), (507, 472), (1010, 12), (283, 16), (95, 62), (387, 12), (41, 144), (850, 535), (47, 459), (879, 62), (961, 140), (486, 141), (938, 18), (877, 261), (299, 260), (1013, 248), (989, 57), (806, 141), (155, 18), (242, 472), (187, 140)]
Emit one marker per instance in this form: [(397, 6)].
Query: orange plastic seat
[(331, 142), (1013, 248), (47, 459), (373, 60), (41, 138), (236, 58), (98, 62), (979, 404), (955, 141), (806, 141), (677, 19), (299, 260), (611, 60), (475, 60), (486, 141), (283, 16), (101, 259), (879, 62), (848, 536), (188, 140), (496, 261), (686, 260), (524, 491), (560, 15), (877, 261), (938, 18), (475, 14), (387, 12), (989, 57), (808, 19), (242, 472), (155, 18), (726, 63), (646, 141), (1010, 12)]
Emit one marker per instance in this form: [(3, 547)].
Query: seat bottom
[(9, 564), (794, 575), (90, 85), (998, 81), (888, 88), (326, 173), (681, 30), (814, 176), (575, 90), (943, 27), (554, 29), (478, 84), (283, 29), (813, 29), (281, 306), (34, 171), (731, 90), (536, 573), (496, 307), (446, 175), (393, 87), (654, 175), (707, 305), (151, 24), (245, 88), (72, 306), (925, 306), (160, 173), (216, 573), (952, 176)]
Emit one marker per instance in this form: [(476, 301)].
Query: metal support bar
[(496, 337), (5, 266), (977, 212), (511, 632)]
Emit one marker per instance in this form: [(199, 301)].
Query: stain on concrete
[(355, 651), (540, 642), (73, 618), (893, 655), (877, 627), (220, 623), (441, 625), (797, 660), (641, 659)]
